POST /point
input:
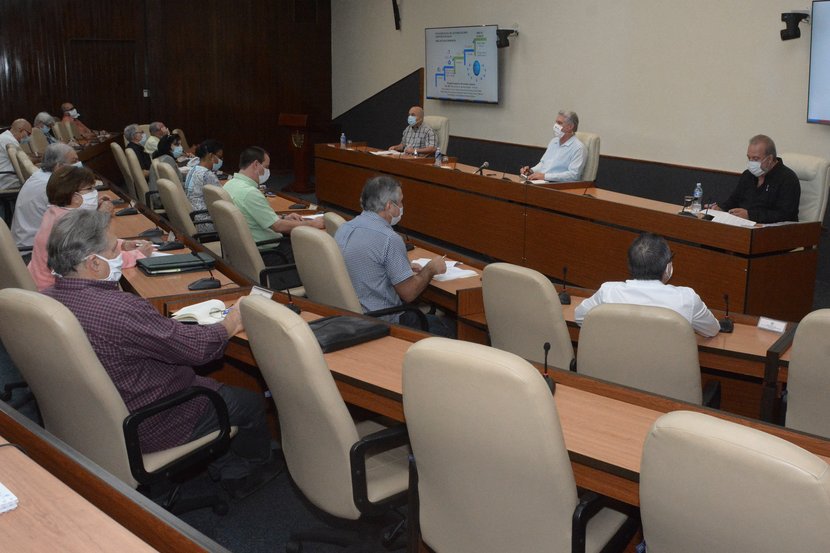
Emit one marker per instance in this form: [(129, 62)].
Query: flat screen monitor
[(462, 64), (818, 100)]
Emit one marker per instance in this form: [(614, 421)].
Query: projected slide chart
[(462, 64)]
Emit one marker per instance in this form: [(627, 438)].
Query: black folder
[(178, 263)]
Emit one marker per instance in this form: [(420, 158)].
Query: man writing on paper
[(768, 191), (149, 356), (418, 138), (376, 259), (650, 266), (565, 157)]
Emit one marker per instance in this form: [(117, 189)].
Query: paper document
[(453, 272), (315, 216), (538, 181), (726, 218), (386, 153), (159, 254), (205, 313)]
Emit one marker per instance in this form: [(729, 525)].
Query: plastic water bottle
[(697, 202), (342, 141), (437, 157)]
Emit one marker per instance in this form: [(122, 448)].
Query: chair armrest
[(589, 505), (24, 249), (132, 422), (7, 389), (422, 319), (272, 270), (203, 237), (193, 214), (383, 440), (148, 198), (711, 394), (269, 241)]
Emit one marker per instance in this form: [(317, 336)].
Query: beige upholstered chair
[(711, 485), (164, 171), (183, 139), (124, 167), (179, 211), (814, 174), (213, 193), (77, 399), (39, 141), (12, 150), (67, 130), (523, 312), (332, 221), (591, 141), (59, 131), (493, 470), (318, 435), (27, 168), (142, 189), (441, 126), (808, 409), (13, 272), (649, 348)]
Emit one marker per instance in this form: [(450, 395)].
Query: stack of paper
[(386, 153), (8, 501), (726, 218), (205, 313), (453, 272)]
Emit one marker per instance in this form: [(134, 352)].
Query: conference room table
[(765, 270)]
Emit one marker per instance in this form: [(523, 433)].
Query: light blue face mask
[(411, 120), (177, 151), (217, 165), (143, 140)]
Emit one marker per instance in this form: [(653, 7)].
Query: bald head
[(21, 129), (418, 113)]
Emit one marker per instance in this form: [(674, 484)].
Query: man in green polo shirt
[(264, 223)]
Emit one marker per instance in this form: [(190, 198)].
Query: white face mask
[(218, 165), (263, 178), (754, 167), (557, 131), (667, 274), (74, 113), (78, 164), (115, 265), (411, 120), (143, 140), (90, 200), (397, 218)]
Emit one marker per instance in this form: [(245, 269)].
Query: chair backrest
[(523, 312), (180, 132), (808, 378), (27, 168), (468, 403), (59, 131), (11, 151), (441, 126), (591, 141), (814, 174), (316, 429), (322, 269), (13, 272), (176, 205), (213, 193), (124, 167), (139, 181), (164, 171), (67, 130), (238, 245), (711, 485), (649, 348), (76, 397), (332, 221), (39, 142)]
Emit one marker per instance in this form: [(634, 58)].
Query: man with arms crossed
[(650, 266)]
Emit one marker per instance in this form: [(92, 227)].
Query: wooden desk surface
[(52, 517), (130, 226)]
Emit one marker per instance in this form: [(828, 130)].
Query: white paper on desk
[(453, 272), (726, 218), (423, 261), (315, 216), (159, 254), (538, 181), (204, 313), (386, 153)]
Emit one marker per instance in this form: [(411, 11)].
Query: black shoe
[(239, 488)]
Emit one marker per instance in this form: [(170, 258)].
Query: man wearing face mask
[(19, 133), (71, 115), (136, 139), (564, 159), (265, 224), (32, 202), (768, 191), (148, 356), (375, 256), (45, 122), (650, 267), (418, 138)]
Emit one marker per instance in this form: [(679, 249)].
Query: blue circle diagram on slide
[(476, 68)]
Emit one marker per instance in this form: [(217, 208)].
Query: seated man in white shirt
[(650, 266), (564, 160)]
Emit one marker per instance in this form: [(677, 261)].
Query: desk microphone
[(585, 192), (503, 177), (151, 232), (484, 166), (291, 305), (726, 324), (564, 296), (706, 215), (207, 283), (684, 212), (548, 380)]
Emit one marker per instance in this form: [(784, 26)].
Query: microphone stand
[(564, 296), (548, 380), (726, 324), (207, 283)]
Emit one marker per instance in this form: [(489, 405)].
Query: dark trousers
[(440, 326), (251, 447), (282, 254)]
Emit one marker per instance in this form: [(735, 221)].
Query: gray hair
[(54, 156), (155, 127), (130, 131), (378, 191), (769, 145), (77, 235), (44, 118), (570, 117)]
